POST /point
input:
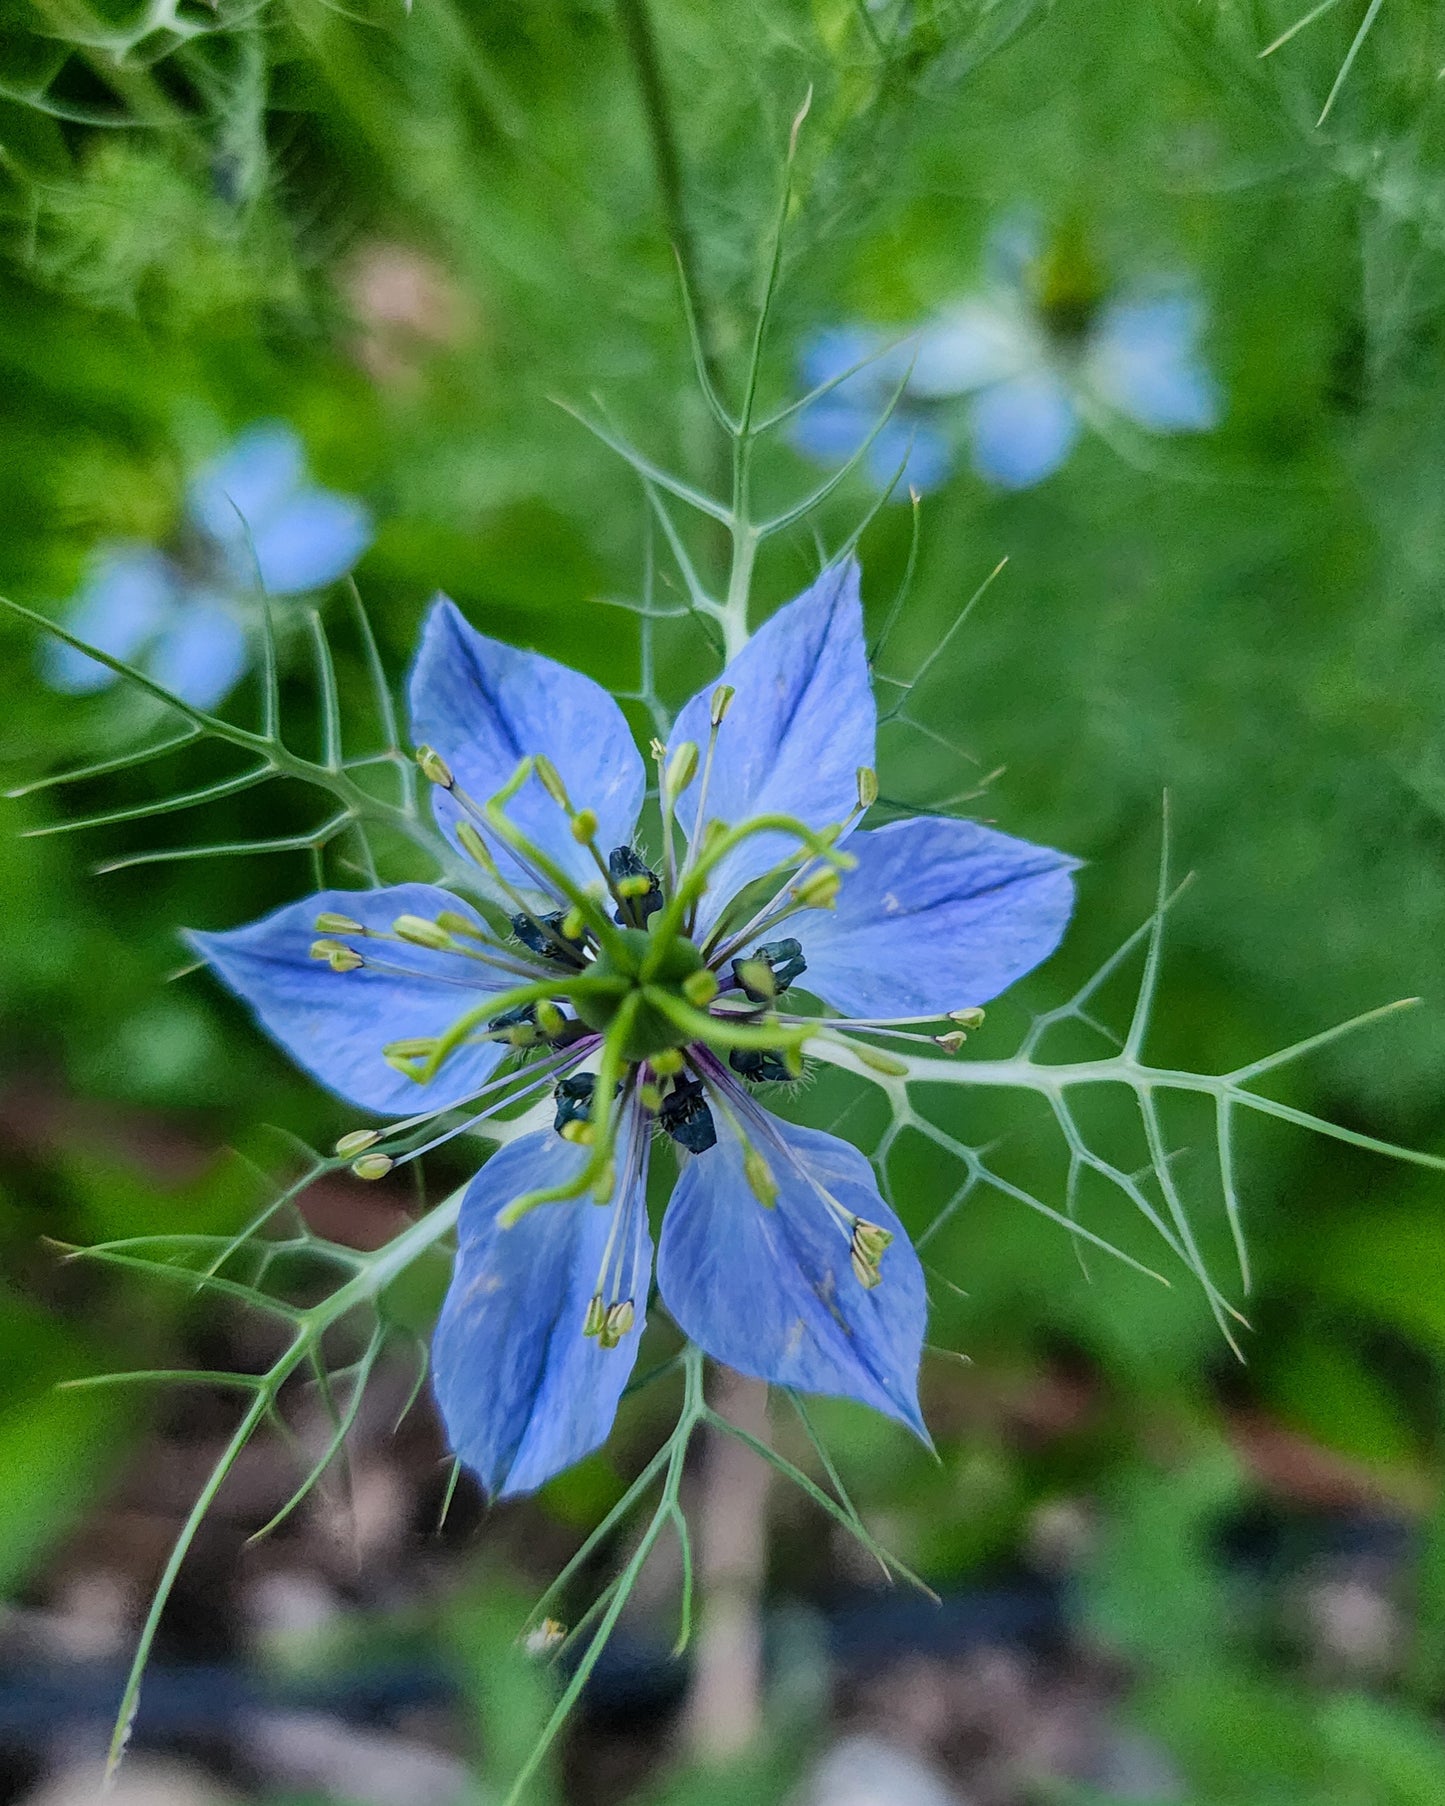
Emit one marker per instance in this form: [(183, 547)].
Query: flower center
[(651, 971)]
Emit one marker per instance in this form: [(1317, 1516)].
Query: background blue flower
[(253, 521), (1033, 370)]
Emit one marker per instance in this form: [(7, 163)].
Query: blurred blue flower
[(253, 521), (1039, 354), (908, 450), (647, 1007)]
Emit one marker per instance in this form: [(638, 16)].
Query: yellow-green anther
[(667, 1061), (952, 1042), (759, 1176), (620, 1318), (330, 923), (357, 1142), (865, 1271), (638, 884), (681, 768), (877, 1061), (422, 933), (573, 924), (337, 955), (819, 890), (650, 1097), (872, 1238), (967, 1018), (434, 767), (700, 987), (551, 781), (451, 922), (372, 1166), (605, 1183), (582, 1133), (722, 698), (584, 826), (596, 1315), (550, 1019), (867, 786), (476, 846)]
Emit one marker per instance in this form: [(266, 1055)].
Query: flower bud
[(434, 767), (328, 922), (421, 933), (372, 1166), (681, 768), (357, 1142)]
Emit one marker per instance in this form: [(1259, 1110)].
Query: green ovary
[(668, 966)]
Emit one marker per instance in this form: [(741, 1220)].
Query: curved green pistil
[(651, 1027)]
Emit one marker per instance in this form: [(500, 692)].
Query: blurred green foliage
[(407, 233)]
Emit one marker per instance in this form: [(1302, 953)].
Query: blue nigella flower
[(1038, 353), (624, 1001), (254, 521)]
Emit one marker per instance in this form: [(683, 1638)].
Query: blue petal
[(522, 1391), (832, 429), (924, 452), (309, 542), (884, 363), (973, 343), (1023, 429), (261, 471), (484, 706), (335, 1024), (126, 599), (202, 655), (1143, 363), (773, 1293), (801, 723), (937, 915)]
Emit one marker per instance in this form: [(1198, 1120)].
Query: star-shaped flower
[(254, 522), (633, 1000)]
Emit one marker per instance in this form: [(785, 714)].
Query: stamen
[(337, 955), (635, 885)]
